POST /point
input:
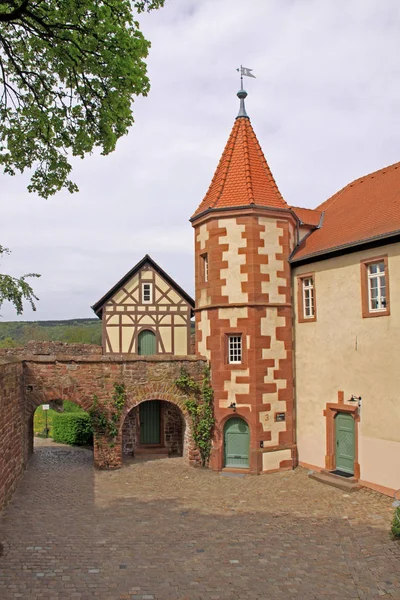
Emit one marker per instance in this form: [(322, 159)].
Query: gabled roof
[(366, 210), (98, 306), (308, 216), (243, 177)]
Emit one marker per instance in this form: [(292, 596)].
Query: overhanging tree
[(69, 71)]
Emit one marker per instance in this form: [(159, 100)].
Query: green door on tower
[(236, 443), (149, 415), (146, 343), (345, 442)]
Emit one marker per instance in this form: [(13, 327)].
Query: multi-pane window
[(204, 260), (308, 298), (377, 287), (147, 292), (235, 348)]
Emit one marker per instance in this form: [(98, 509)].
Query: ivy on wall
[(396, 523), (200, 407), (105, 419)]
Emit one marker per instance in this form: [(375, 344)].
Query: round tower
[(244, 233)]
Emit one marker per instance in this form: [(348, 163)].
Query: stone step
[(151, 450), (343, 483)]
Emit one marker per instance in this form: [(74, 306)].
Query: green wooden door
[(149, 414), (146, 342), (345, 442), (236, 443)]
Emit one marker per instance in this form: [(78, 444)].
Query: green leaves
[(200, 408), (106, 420), (396, 523), (69, 71), (15, 289)]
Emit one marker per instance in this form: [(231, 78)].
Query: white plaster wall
[(343, 351)]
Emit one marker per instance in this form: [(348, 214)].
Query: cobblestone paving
[(160, 530)]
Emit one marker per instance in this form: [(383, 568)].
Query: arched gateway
[(150, 395), (155, 426)]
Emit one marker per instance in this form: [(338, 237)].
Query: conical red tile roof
[(243, 177)]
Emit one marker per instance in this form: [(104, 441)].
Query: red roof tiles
[(243, 176), (368, 207), (308, 216)]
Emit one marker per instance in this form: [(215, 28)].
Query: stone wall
[(174, 426), (129, 433), (14, 445), (32, 380), (52, 348)]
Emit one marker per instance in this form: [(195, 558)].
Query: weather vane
[(246, 72)]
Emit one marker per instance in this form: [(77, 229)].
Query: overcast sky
[(325, 107)]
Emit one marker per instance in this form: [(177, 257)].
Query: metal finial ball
[(242, 94)]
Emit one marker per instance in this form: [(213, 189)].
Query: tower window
[(204, 265), (147, 293), (234, 349)]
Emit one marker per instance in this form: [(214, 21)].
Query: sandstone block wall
[(13, 435)]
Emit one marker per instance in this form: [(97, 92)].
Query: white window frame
[(235, 349), (308, 292), (380, 277), (149, 294), (205, 267)]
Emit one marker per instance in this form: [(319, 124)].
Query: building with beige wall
[(298, 313), (346, 285)]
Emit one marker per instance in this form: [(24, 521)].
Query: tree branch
[(14, 14)]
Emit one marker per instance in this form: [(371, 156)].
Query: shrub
[(72, 428), (70, 407), (396, 523)]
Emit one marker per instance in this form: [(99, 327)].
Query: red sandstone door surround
[(330, 412)]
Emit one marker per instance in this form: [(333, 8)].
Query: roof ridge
[(332, 199), (247, 168)]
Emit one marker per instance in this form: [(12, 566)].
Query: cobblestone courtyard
[(164, 531)]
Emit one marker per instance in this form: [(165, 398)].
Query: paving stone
[(161, 530)]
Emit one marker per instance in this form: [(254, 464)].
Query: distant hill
[(18, 333)]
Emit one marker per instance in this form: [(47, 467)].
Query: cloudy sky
[(325, 107)]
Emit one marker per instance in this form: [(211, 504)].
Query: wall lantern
[(233, 406), (357, 399)]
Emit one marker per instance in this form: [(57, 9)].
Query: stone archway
[(37, 399), (176, 432), (170, 430)]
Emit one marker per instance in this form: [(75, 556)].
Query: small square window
[(147, 293), (235, 349)]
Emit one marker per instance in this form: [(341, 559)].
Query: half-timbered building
[(146, 313)]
